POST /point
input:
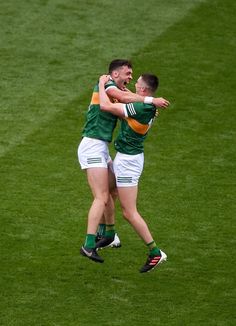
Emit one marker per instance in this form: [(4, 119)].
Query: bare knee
[(102, 198), (128, 214)]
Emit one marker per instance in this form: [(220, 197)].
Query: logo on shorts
[(94, 160), (124, 179)]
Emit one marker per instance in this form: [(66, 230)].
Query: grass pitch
[(52, 53)]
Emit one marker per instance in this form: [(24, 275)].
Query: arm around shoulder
[(124, 96), (105, 103)]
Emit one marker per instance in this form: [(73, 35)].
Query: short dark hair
[(118, 63), (151, 80)]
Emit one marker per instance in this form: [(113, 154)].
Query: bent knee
[(102, 198), (128, 214)]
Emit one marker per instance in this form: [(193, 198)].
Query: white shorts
[(93, 153), (128, 169)]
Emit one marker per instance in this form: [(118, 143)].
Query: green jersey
[(99, 124), (134, 128)]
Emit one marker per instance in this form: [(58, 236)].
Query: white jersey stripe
[(130, 108)]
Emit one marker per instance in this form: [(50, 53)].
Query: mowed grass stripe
[(194, 161), (52, 52)]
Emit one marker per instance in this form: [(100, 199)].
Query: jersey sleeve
[(132, 109), (110, 84)]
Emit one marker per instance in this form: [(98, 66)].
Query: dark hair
[(118, 63), (151, 80)]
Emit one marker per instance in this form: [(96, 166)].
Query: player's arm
[(128, 97), (117, 109), (124, 96)]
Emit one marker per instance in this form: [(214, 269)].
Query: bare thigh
[(98, 182)]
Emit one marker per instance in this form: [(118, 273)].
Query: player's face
[(140, 86), (123, 76)]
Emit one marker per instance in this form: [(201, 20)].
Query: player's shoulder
[(96, 88), (149, 107), (110, 84), (134, 107), (142, 108)]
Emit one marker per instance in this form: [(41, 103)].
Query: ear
[(115, 73)]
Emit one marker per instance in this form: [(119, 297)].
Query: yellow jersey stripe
[(137, 126), (95, 99)]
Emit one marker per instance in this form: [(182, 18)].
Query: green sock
[(153, 249), (90, 241), (110, 230), (101, 229)]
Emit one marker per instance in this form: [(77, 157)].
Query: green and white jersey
[(99, 124), (134, 128)]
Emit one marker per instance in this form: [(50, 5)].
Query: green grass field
[(51, 54)]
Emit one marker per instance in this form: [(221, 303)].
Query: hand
[(157, 113), (104, 79), (160, 102)]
